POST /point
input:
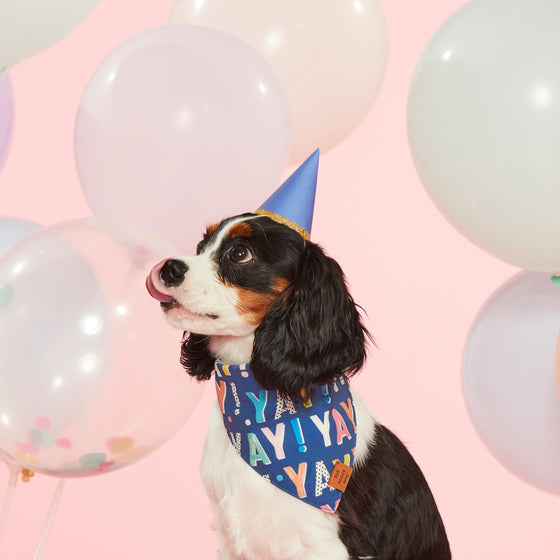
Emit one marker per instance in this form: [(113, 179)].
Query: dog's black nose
[(173, 272)]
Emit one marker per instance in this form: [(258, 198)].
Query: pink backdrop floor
[(420, 282)]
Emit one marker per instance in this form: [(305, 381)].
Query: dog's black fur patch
[(313, 332), (196, 357), (388, 511)]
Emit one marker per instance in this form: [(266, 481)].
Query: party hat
[(293, 202)]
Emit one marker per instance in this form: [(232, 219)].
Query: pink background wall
[(420, 282)]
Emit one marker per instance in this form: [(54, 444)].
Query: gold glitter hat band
[(292, 203), (285, 222)]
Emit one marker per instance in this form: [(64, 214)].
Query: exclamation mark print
[(326, 396), (296, 426)]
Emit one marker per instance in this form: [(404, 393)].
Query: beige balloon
[(330, 56)]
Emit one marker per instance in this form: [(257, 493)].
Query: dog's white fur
[(203, 294)]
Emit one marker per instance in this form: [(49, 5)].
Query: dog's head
[(255, 279)]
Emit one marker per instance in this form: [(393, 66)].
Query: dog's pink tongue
[(155, 292)]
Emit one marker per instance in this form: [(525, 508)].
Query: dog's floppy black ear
[(196, 357), (313, 333)]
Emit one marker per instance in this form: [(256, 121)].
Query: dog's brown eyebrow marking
[(212, 229), (241, 229)]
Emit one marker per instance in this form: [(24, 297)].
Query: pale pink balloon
[(330, 57), (509, 378), (178, 127)]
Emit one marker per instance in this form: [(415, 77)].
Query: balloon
[(180, 126), (30, 26), (330, 59), (13, 230), (90, 379), (509, 378), (483, 121), (558, 365), (7, 459), (6, 116)]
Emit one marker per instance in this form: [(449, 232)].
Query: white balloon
[(330, 58), (509, 378), (483, 122), (30, 26)]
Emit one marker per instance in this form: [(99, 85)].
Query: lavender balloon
[(6, 116), (509, 378)]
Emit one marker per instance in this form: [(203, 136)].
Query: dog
[(260, 296)]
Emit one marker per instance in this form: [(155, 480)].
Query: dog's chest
[(253, 519)]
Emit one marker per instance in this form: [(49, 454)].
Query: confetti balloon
[(90, 379), (7, 459), (12, 230), (509, 378)]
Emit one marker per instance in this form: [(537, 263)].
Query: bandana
[(304, 448)]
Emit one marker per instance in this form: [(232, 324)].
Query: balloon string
[(49, 520), (14, 473)]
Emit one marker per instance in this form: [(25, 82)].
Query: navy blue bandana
[(304, 448)]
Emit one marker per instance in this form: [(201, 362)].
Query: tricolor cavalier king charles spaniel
[(258, 294)]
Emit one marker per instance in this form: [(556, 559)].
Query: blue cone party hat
[(293, 202)]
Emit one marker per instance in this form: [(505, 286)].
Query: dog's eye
[(240, 254)]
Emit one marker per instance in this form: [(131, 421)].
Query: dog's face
[(252, 275), (242, 265)]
